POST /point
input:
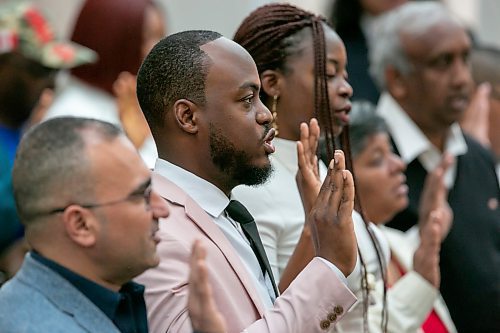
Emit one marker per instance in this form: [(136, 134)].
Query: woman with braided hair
[(302, 66)]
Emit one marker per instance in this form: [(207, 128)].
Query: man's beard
[(236, 163)]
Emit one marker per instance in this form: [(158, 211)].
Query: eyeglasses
[(146, 195)]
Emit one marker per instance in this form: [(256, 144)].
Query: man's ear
[(271, 81), (395, 82), (186, 115), (81, 225)]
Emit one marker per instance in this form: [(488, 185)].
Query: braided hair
[(271, 34)]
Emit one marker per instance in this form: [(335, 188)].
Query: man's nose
[(159, 206), (263, 116)]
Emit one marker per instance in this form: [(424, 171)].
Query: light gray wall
[(224, 16)]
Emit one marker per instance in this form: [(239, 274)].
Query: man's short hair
[(175, 68), (413, 18), (51, 166)]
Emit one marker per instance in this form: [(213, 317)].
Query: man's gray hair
[(52, 168), (413, 18)]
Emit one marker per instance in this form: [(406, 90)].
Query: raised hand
[(435, 221), (426, 257), (328, 231), (307, 178), (476, 118), (130, 113), (330, 218), (203, 312), (434, 197), (40, 110)]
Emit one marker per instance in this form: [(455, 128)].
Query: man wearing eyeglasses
[(85, 198)]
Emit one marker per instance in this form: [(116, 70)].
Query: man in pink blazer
[(200, 94)]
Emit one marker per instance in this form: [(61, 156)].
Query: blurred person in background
[(482, 118), (421, 62), (122, 33), (353, 20), (413, 303), (30, 56)]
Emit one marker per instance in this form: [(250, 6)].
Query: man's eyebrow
[(143, 186), (251, 85)]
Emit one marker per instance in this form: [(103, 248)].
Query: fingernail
[(344, 174), (485, 86), (331, 164)]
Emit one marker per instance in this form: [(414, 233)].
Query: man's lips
[(154, 234), (459, 101), (268, 138)]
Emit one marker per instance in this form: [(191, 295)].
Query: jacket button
[(338, 310), (325, 324), (332, 317)]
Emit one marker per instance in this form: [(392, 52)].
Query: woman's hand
[(307, 178), (132, 119)]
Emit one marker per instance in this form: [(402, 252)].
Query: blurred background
[(224, 15)]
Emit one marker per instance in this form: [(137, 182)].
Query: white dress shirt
[(412, 142), (214, 202)]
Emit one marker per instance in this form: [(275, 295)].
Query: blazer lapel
[(195, 213), (66, 297)]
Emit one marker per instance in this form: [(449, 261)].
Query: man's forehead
[(437, 38), (223, 47), (118, 154), (230, 61)]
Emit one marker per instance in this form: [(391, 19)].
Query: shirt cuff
[(337, 271)]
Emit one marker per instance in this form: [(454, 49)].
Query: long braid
[(264, 32), (267, 34), (345, 144), (321, 98)]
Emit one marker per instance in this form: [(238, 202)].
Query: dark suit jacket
[(358, 65)]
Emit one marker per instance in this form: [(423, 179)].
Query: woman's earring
[(275, 114)]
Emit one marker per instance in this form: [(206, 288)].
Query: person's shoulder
[(33, 311), (479, 153), (474, 146), (81, 100)]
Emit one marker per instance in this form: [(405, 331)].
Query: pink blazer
[(313, 302)]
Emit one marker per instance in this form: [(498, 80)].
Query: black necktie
[(240, 214)]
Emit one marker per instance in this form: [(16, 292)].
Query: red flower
[(65, 52), (39, 25)]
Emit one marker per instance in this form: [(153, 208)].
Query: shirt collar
[(105, 299), (409, 139), (207, 195)]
